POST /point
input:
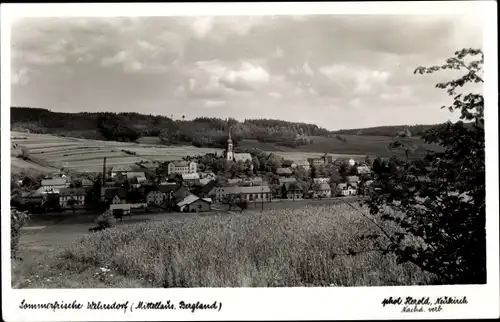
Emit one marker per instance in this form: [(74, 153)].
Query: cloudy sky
[(337, 71)]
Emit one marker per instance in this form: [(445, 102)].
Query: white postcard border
[(263, 303)]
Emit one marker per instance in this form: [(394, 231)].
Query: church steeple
[(229, 152), (229, 140)]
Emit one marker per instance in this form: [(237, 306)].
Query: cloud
[(361, 79), (356, 102), (278, 53), (297, 67), (275, 95), (202, 26), (21, 76), (243, 77), (307, 69), (214, 103)]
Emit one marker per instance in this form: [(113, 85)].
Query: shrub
[(17, 221)]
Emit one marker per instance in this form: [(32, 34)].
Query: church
[(232, 156)]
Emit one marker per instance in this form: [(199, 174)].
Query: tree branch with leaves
[(437, 202)]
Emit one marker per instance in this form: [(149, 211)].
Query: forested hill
[(202, 131), (390, 130)]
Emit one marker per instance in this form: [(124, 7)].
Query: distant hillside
[(265, 134), (389, 130), (206, 132)]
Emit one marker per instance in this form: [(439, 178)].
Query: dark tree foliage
[(284, 192), (201, 132), (440, 199)]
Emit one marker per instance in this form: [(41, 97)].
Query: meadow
[(49, 153), (308, 246)]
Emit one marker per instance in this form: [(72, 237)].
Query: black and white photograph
[(245, 151)]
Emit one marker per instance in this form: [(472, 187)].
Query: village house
[(301, 164), (321, 180), (139, 176), (345, 189), (164, 181), (295, 193), (86, 183), (120, 170), (234, 181), (363, 170), (148, 165), (182, 167), (343, 160), (52, 185), (284, 172), (169, 189), (116, 195), (208, 190), (190, 179), (252, 193), (206, 177), (316, 162), (286, 181), (193, 203), (353, 180), (155, 197), (162, 193), (324, 190), (72, 197), (255, 181), (181, 193)]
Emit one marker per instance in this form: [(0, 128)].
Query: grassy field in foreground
[(300, 247)]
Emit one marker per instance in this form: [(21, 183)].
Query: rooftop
[(192, 198), (180, 163), (324, 186), (71, 191), (53, 182), (284, 171), (131, 175), (249, 189), (121, 168), (190, 176), (352, 178)]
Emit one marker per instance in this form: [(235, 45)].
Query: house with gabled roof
[(87, 183), (182, 167), (76, 195), (193, 203), (52, 185), (116, 195), (346, 189), (301, 164), (120, 169), (190, 179), (251, 193), (208, 190), (353, 179), (324, 190)]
